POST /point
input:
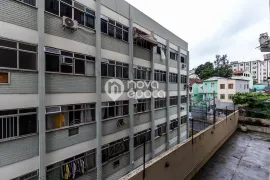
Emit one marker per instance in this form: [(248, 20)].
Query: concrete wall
[(186, 159)]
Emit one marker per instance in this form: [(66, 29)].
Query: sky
[(212, 27)]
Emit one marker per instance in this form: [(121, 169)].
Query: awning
[(138, 34)]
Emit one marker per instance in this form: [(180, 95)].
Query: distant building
[(245, 75), (224, 88), (192, 74), (257, 68), (259, 87)]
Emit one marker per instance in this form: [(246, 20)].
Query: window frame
[(116, 24), (146, 103), (87, 11), (114, 105), (173, 100), (15, 118), (141, 70), (160, 103), (160, 76), (84, 110), (17, 49), (173, 77), (115, 64), (61, 54)]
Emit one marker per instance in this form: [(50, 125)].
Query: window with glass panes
[(114, 28), (18, 55), (173, 54), (183, 99), (114, 69), (142, 73), (85, 162), (174, 124), (72, 9), (60, 61), (141, 137), (142, 105), (17, 122), (173, 100), (115, 149), (69, 115), (160, 103), (160, 75), (173, 77), (183, 119), (114, 109), (159, 47), (183, 79), (183, 58), (161, 129)]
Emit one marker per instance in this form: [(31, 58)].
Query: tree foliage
[(220, 68)]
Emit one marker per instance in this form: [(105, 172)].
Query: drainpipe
[(131, 101), (168, 95), (152, 106), (98, 91), (179, 95), (187, 94), (41, 91)]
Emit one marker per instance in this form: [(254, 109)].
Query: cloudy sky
[(212, 27)]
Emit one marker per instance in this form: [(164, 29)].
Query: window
[(142, 42), (4, 77), (29, 176), (84, 163), (244, 86), (18, 55), (69, 115), (222, 86), (183, 119), (114, 109), (142, 105), (161, 130), (230, 86), (114, 149), (17, 122), (160, 103), (183, 99), (173, 100), (159, 47), (222, 96), (114, 69), (142, 73), (183, 58), (254, 67), (183, 79), (247, 86), (230, 96), (173, 54), (142, 136), (173, 78), (160, 75), (114, 28), (68, 62), (174, 124), (83, 15)]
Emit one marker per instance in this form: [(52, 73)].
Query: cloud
[(212, 27)]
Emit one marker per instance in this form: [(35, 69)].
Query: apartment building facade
[(56, 120), (220, 89), (257, 68)]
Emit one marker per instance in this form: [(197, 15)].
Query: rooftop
[(243, 156)]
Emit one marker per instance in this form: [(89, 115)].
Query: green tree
[(205, 71), (222, 66)]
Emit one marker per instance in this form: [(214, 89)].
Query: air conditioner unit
[(66, 60), (120, 122), (70, 23)]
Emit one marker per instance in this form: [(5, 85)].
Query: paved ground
[(245, 156)]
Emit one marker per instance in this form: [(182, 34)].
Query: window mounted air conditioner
[(120, 122), (67, 61), (70, 23)]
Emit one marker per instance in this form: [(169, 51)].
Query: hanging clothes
[(73, 170), (67, 172), (82, 165)]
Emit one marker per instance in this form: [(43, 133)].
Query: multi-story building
[(221, 88), (56, 121), (246, 75), (256, 68)]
